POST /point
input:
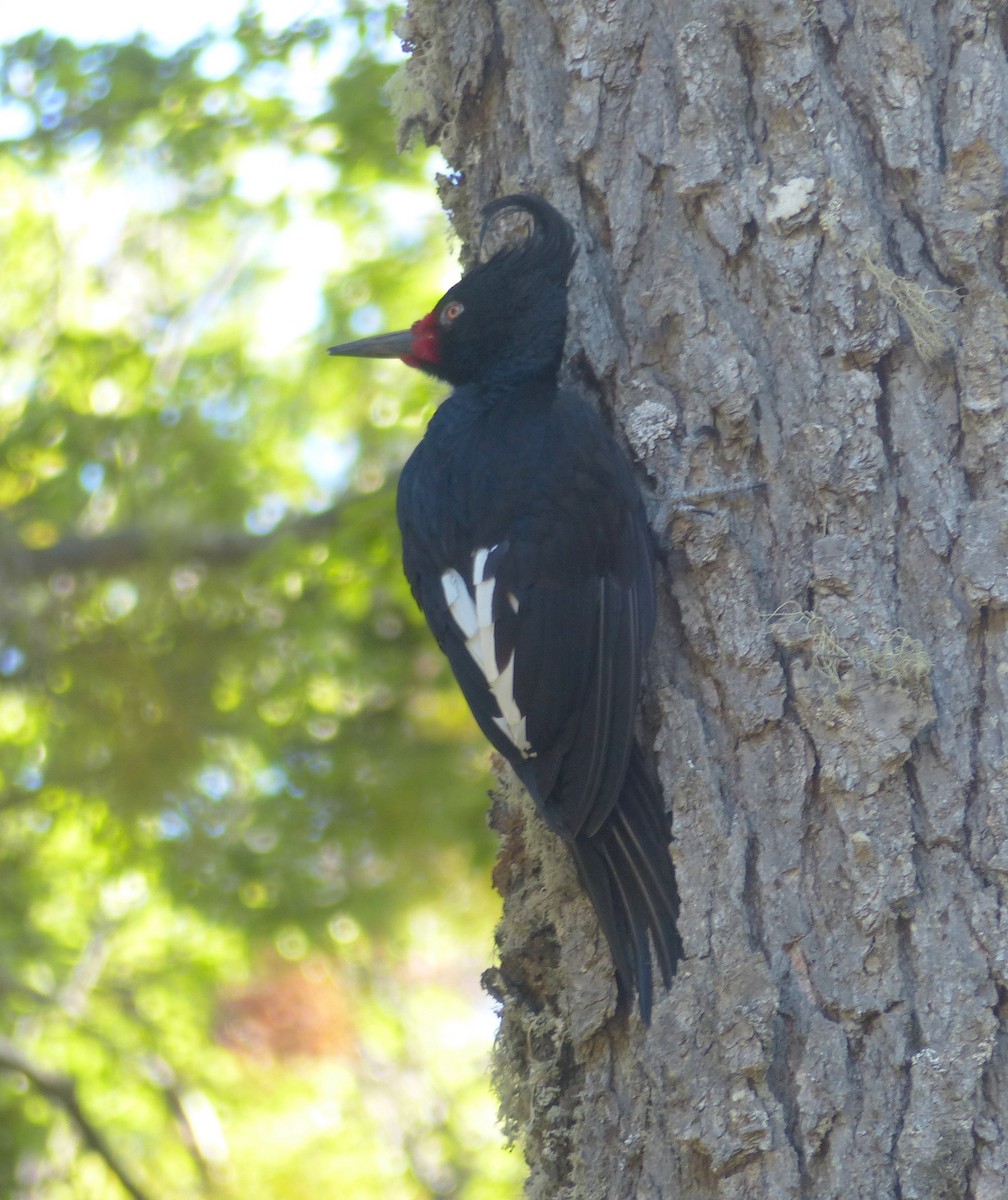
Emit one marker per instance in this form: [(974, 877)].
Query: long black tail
[(627, 871)]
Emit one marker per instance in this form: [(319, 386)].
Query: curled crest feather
[(549, 249)]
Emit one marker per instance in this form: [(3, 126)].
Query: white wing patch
[(472, 612)]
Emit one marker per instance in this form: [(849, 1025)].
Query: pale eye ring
[(452, 311)]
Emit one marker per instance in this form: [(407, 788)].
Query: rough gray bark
[(792, 219)]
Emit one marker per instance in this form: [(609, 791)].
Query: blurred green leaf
[(244, 897)]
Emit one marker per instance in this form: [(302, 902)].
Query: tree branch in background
[(62, 1091), (139, 544)]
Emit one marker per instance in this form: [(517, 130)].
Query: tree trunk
[(793, 269)]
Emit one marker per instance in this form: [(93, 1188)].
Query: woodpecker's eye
[(451, 312)]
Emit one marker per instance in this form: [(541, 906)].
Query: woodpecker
[(527, 548)]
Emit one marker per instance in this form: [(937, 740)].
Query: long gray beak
[(384, 345)]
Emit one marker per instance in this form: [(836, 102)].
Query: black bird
[(527, 548)]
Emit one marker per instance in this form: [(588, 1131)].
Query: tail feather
[(628, 898), (647, 887), (628, 873)]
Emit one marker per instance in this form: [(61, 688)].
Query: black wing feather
[(577, 560)]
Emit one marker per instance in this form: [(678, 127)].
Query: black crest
[(512, 309), (548, 251)]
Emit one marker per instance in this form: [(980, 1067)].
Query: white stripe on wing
[(472, 611)]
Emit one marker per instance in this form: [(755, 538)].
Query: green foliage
[(243, 861)]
